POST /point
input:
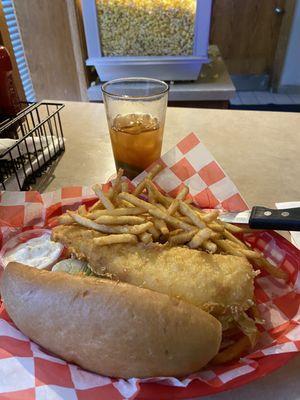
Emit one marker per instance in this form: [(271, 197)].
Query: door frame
[(282, 44)]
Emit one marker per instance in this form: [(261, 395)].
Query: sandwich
[(109, 327), (152, 286)]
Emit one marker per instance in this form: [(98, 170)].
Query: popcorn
[(146, 27)]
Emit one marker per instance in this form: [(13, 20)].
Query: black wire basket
[(29, 143)]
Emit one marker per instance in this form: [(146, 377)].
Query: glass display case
[(146, 28), (164, 39)]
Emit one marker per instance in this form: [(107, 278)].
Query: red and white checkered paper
[(29, 372)]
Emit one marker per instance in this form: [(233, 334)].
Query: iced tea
[(136, 111), (136, 142)]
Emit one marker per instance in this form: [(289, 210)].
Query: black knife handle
[(281, 220)]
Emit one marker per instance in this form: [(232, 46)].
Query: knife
[(266, 218)]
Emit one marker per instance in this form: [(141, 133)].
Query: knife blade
[(266, 218)]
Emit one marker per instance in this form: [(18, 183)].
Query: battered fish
[(214, 282)]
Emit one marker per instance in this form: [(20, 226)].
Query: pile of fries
[(147, 215)]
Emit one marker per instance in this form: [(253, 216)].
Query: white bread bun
[(109, 327)]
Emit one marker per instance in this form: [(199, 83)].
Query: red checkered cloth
[(29, 372), (191, 164)]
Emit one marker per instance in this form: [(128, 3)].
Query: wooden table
[(213, 89), (259, 150)]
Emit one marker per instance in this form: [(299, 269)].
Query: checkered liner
[(190, 163), (29, 372)]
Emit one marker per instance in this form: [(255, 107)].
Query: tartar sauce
[(39, 252)]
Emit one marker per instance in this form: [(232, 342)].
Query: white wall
[(291, 69)]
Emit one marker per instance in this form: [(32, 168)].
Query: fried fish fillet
[(214, 282)]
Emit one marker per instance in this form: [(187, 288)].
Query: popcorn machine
[(163, 39)]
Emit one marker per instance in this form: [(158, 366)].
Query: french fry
[(136, 201), (123, 203), (134, 229), (109, 193), (65, 219), (114, 239), (183, 193), (226, 246), (230, 247), (216, 235), (234, 239), (139, 189), (116, 211), (156, 212), (119, 220), (175, 203), (151, 196), (240, 246), (82, 210), (199, 238), (232, 352), (215, 226), (176, 232), (161, 226), (210, 216), (196, 209), (146, 237), (117, 184), (119, 177), (105, 200), (88, 223), (141, 186), (251, 254), (182, 238), (154, 232), (209, 246), (186, 210), (138, 229), (166, 201), (161, 207), (233, 244), (154, 171), (247, 229), (173, 207), (124, 187), (96, 206), (184, 219), (271, 269), (231, 228), (188, 201)]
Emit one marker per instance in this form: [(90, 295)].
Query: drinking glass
[(135, 111)]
